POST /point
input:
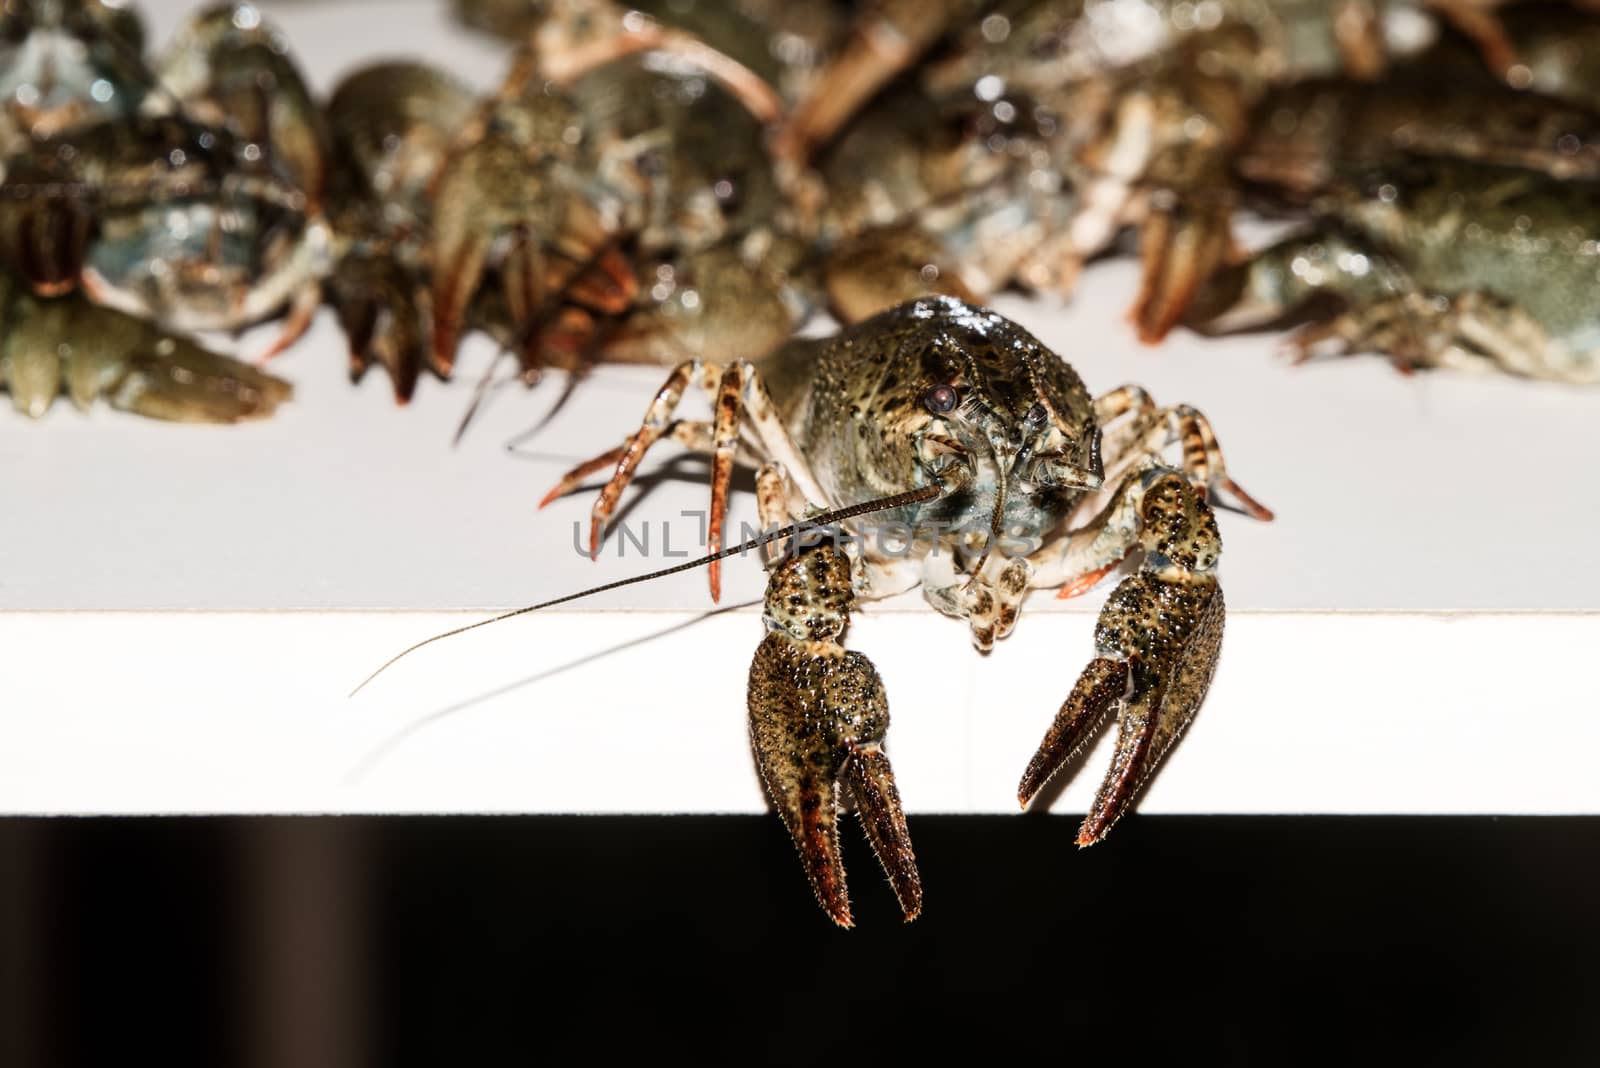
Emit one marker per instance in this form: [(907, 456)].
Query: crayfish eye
[(940, 399), (1036, 416)]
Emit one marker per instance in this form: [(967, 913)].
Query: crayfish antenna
[(794, 530)]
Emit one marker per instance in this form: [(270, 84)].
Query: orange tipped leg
[(1252, 507), (657, 422), (725, 439), (1085, 582), (1152, 428), (574, 478), (302, 309), (632, 452), (744, 414)]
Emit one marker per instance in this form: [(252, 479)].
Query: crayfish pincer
[(1157, 643), (818, 716)]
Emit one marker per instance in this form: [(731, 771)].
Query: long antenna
[(898, 500)]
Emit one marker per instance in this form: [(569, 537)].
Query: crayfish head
[(1008, 422)]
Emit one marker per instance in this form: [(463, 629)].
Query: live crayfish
[(1456, 229), (199, 209), (536, 212), (184, 191), (1037, 131), (1144, 102), (989, 452), (1439, 263)]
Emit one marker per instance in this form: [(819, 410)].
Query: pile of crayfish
[(653, 181)]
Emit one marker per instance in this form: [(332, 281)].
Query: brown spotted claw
[(1156, 643), (818, 715)]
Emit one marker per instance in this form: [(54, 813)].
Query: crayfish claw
[(1146, 728), (1157, 642), (818, 715)]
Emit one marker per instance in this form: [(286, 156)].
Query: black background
[(478, 941)]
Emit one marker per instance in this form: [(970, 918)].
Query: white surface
[(644, 711), (183, 609)]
